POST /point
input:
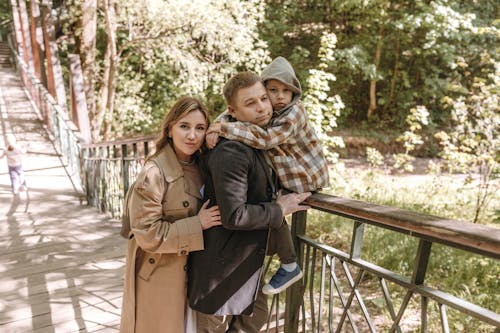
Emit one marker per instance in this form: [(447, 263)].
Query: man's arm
[(265, 138)]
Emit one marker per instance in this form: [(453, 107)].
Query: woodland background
[(388, 83)]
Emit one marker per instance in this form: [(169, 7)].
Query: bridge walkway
[(61, 262)]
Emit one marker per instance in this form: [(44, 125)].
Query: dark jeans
[(280, 242)]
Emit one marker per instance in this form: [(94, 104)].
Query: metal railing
[(110, 168), (336, 284), (63, 132)]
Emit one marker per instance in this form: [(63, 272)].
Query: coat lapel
[(173, 171)]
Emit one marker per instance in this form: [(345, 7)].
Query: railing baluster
[(343, 302), (357, 239), (306, 275), (423, 314), (311, 288), (388, 301), (331, 264), (321, 290), (402, 309), (354, 286), (444, 318)]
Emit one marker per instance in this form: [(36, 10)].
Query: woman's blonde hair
[(182, 107)]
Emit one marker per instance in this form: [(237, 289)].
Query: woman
[(165, 226)]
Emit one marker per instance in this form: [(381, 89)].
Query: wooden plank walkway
[(61, 263)]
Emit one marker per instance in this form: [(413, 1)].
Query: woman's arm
[(150, 231)]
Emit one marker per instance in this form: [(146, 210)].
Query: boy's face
[(252, 105), (279, 93)]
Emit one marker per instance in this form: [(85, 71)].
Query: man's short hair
[(239, 81)]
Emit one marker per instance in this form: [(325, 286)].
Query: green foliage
[(411, 138), (374, 157), (324, 109), (166, 49), (5, 12), (420, 43), (471, 145)]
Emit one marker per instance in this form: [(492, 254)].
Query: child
[(14, 155), (292, 147)]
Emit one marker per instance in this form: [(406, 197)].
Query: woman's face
[(188, 134)]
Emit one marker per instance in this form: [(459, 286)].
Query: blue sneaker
[(282, 280)]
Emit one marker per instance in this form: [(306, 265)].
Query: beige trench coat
[(154, 298)]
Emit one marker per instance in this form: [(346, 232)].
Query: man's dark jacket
[(223, 278)]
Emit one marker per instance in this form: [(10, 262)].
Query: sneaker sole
[(283, 287)]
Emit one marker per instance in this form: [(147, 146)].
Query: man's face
[(252, 105)]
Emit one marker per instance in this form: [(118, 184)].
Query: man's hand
[(291, 203), (212, 136)]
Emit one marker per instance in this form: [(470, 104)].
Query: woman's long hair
[(182, 107)]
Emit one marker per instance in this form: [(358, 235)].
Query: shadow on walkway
[(61, 264)]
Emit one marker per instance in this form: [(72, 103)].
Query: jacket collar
[(173, 170)]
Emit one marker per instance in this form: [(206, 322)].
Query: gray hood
[(281, 70)]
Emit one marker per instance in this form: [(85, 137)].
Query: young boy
[(14, 155), (292, 148)]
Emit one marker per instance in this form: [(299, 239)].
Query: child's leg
[(280, 242), (15, 178)]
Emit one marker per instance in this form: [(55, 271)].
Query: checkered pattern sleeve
[(292, 146), (280, 130)]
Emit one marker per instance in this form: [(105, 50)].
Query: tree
[(390, 55), (471, 144), (148, 52)]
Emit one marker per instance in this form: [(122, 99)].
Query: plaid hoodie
[(290, 142)]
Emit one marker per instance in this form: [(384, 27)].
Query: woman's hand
[(209, 217), (212, 136)]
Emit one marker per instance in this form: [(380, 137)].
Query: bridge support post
[(295, 292)]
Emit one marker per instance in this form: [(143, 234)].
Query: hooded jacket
[(291, 143)]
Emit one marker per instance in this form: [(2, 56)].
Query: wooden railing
[(324, 302)]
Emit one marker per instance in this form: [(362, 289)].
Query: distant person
[(15, 154), (166, 224), (293, 148), (224, 279)]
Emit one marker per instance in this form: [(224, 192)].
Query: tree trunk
[(25, 27), (36, 40), (106, 100), (18, 33), (55, 82), (87, 56), (373, 83), (395, 74)]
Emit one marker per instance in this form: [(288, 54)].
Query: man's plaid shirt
[(291, 145)]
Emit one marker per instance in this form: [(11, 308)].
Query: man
[(224, 278)]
